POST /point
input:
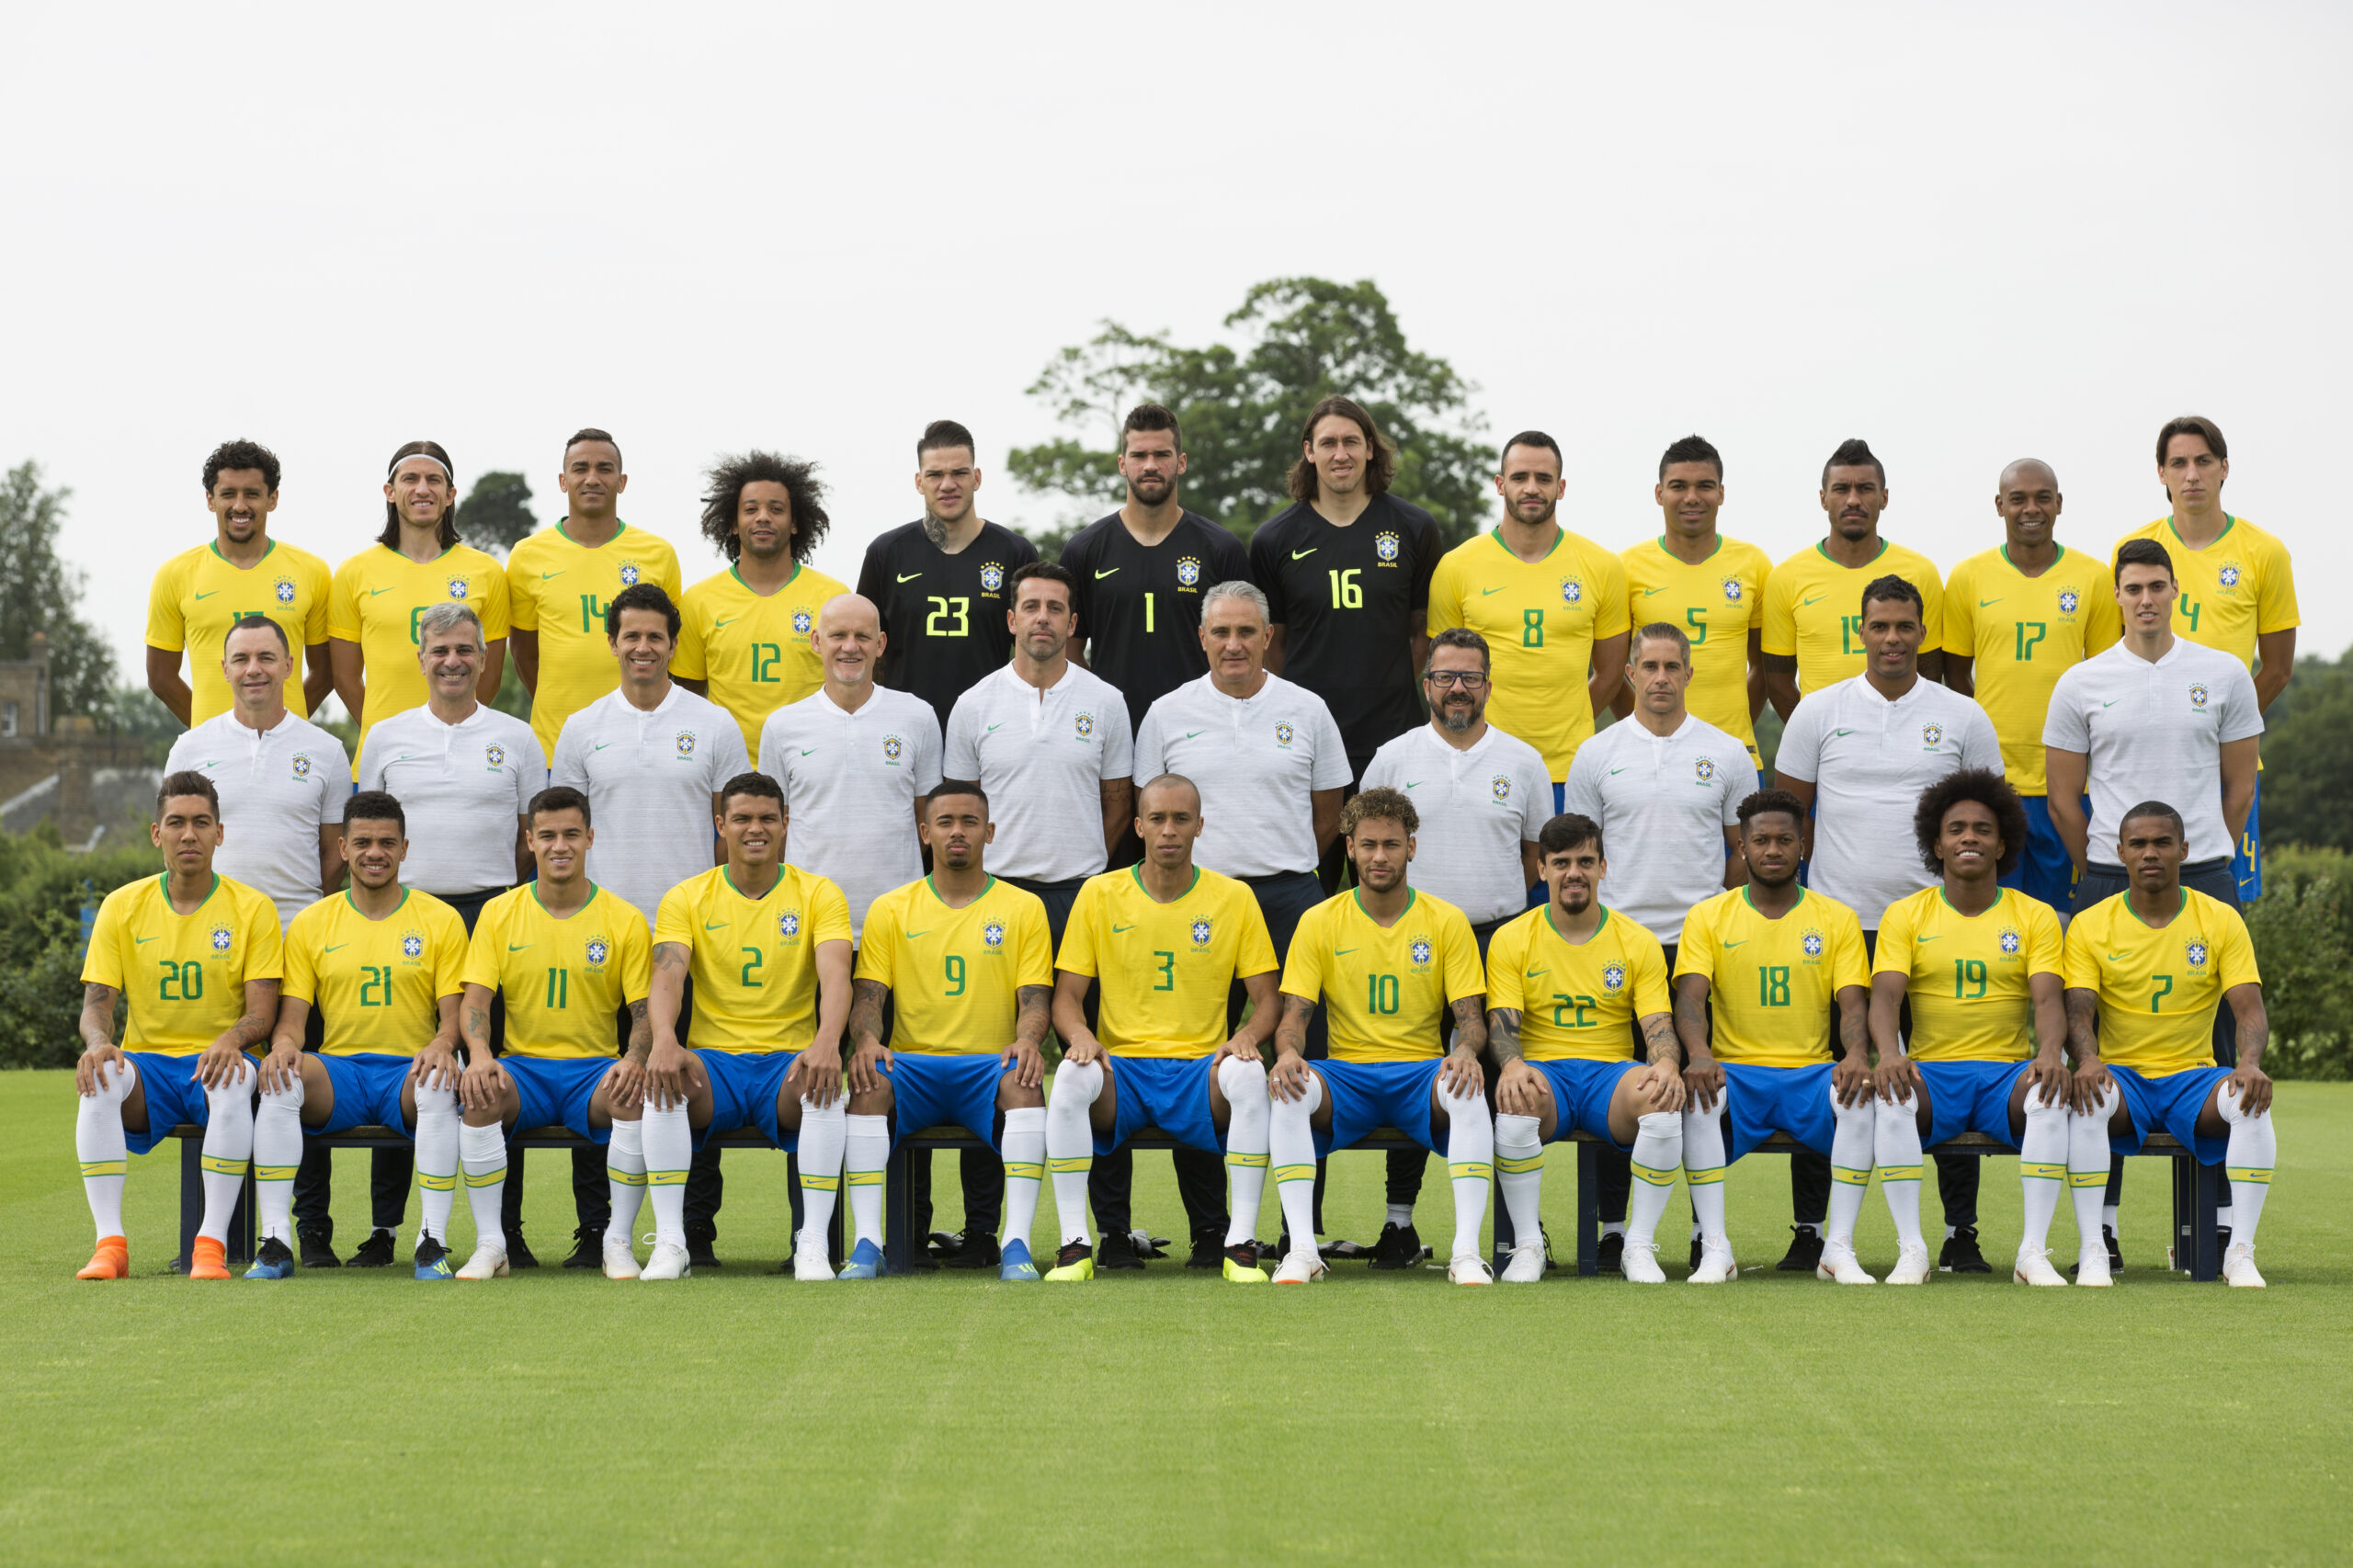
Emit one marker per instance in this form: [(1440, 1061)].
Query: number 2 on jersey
[(935, 624)]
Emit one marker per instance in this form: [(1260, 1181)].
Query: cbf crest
[(1200, 933), (802, 623), (411, 945), (991, 577), (628, 574), (2195, 952), (2198, 694), (2068, 600), (1572, 591), (459, 588), (788, 925), (1732, 590), (2011, 941), (284, 589), (600, 951), (1706, 768), (686, 744), (1613, 978), (1811, 942), (1421, 952), (1189, 572), (222, 937), (494, 755), (993, 935), (1283, 733), (1386, 546), (302, 765), (893, 748), (2229, 576), (1500, 787), (1085, 726), (1931, 733)]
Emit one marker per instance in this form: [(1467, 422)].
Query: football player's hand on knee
[(1898, 1076), (1519, 1089), (282, 1068), (1705, 1080), (2090, 1085), (1851, 1081), (2253, 1086), (867, 1066), (435, 1067), (1027, 1063), (221, 1065), (817, 1075), (1288, 1081), (2051, 1080), (670, 1074), (1247, 1054), (108, 1059), (1459, 1076), (482, 1086), (1083, 1049), (1660, 1089)]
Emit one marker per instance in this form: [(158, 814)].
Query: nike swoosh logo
[(1842, 732), (1537, 973), (2117, 958), (713, 924), (909, 576), (1817, 600), (141, 942), (1484, 592), (1302, 554), (600, 745), (1616, 771), (729, 621), (1190, 733), (1100, 575), (913, 934), (208, 593), (373, 592), (518, 947), (334, 947), (1648, 592), (1735, 944), (1342, 952), (1117, 929), (546, 575), (1983, 603), (2112, 703), (993, 729), (1416, 784), (1924, 940), (808, 752)]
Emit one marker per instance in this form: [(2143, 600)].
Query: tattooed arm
[(483, 1085), (224, 1057), (97, 1025), (1460, 1074), (1288, 1080), (1026, 1055), (868, 1054)]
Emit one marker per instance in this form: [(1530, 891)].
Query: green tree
[(41, 593), (2307, 756), (496, 512), (1242, 405)]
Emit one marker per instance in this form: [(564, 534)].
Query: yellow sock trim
[(627, 1179), (487, 1178), (1898, 1172), (1854, 1177), (274, 1173), (1655, 1178), (1078, 1165), (432, 1182), (2038, 1171), (1510, 1165), (662, 1178), (819, 1184), (1469, 1170), (1246, 1160), (91, 1168), (217, 1167), (2260, 1175), (1025, 1170), (2087, 1178), (864, 1178), (1702, 1179), (1293, 1172)]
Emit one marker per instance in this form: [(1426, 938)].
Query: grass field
[(556, 1417)]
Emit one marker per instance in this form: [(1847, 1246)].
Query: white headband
[(428, 457)]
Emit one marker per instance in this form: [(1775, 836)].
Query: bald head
[(849, 641), (2027, 501), (2031, 471), (1174, 788)]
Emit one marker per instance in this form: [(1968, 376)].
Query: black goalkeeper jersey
[(1139, 605), (943, 615)]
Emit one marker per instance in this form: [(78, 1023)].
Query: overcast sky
[(1966, 233)]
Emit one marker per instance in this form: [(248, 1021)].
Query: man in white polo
[(1666, 788)]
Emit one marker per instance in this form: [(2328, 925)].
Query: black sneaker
[(318, 1250), (1960, 1255), (588, 1247), (1612, 1253), (1805, 1251), (1209, 1251), (701, 1240), (979, 1252), (1400, 1247), (1695, 1252), (1117, 1250), (376, 1252)]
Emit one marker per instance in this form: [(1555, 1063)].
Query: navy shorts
[(2046, 870)]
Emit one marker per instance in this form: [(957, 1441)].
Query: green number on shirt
[(181, 981), (2025, 643), (959, 608), (1167, 971), (415, 636), (1148, 623), (1773, 986), (1531, 628), (752, 959), (2186, 607), (592, 613), (1347, 592), (1380, 993), (955, 967), (1580, 1006), (1969, 973), (2165, 989), (558, 988), (1850, 631), (764, 660), (1697, 620), (375, 985)]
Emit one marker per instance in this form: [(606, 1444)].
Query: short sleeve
[(481, 953), (927, 748), (2237, 965), (1078, 561), (1849, 965), (531, 776), (1961, 619), (871, 577), (335, 785), (829, 912), (637, 959), (522, 608), (299, 960), (1033, 958), (104, 964), (878, 944), (1255, 953), (497, 609), (1650, 995), (1536, 795), (2103, 622), (1798, 756), (2241, 717), (1932, 606), (1694, 952), (1506, 948), (1381, 772), (1741, 780), (1429, 551), (1303, 968), (1894, 953), (674, 918), (1614, 617), (1078, 953), (1331, 770), (1464, 977), (2082, 955), (1582, 793), (1781, 636), (264, 949), (343, 602), (1980, 745), (1150, 760), (688, 660), (2275, 599), (961, 758), (1267, 571), (2045, 945), (1233, 561), (727, 758), (449, 954), (566, 767), (370, 774), (166, 617), (2065, 727), (1118, 740)]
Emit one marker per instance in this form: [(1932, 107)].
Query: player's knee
[(872, 1102), (1660, 1124), (1242, 1081), (2042, 1104), (1012, 1095), (1077, 1083), (436, 1100), (116, 1080), (2232, 1108)]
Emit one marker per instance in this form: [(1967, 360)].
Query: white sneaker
[(1302, 1266), (2091, 1268), (1840, 1266), (1911, 1267), (2033, 1267), (1716, 1266), (1639, 1262), (2238, 1267), (620, 1262), (488, 1263), (809, 1259), (668, 1262), (1527, 1265), (1470, 1268)]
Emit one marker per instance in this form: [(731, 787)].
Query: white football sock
[(865, 1150), (2042, 1167), (1070, 1141), (1247, 1102), (823, 1130), (626, 1178), (1520, 1170), (666, 1137), (1617, 1227), (1658, 1154), (2254, 1149), (1469, 1163), (99, 1144), (1023, 1154), (1895, 1146), (436, 1159), (1290, 1145), (278, 1154), (2087, 1160), (2108, 1211), (482, 1153), (228, 1148), (1703, 1168), (1398, 1214), (1851, 1144)]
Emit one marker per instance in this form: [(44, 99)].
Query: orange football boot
[(111, 1261), (208, 1260)]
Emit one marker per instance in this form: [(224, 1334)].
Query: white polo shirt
[(851, 781), (1869, 759), (1255, 759), (278, 788), (649, 778), (2155, 731), (1042, 756), (1663, 802), (1477, 805), (463, 785)]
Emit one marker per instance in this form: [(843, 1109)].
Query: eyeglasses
[(1469, 681)]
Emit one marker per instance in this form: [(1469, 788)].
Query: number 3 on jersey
[(935, 623)]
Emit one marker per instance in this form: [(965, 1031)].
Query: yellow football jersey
[(559, 590), (379, 596), (1717, 604), (1577, 1002), (2158, 988), (1771, 982), (1540, 621), (565, 980), (754, 959), (1813, 609), (196, 597), (2023, 632), (184, 975), (1384, 992), (753, 648), (1966, 975), (955, 974), (377, 983), (2232, 591), (1165, 968)]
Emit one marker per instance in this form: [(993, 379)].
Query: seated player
[(1387, 962), (384, 965), (2147, 971), (195, 955), (567, 956), (1978, 965), (966, 964), (765, 946), (1755, 975), (1569, 985), (1167, 940)]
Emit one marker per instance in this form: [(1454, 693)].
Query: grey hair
[(1238, 588), (444, 617)]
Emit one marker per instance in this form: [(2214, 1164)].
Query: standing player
[(1386, 963), (966, 964), (765, 946), (196, 956), (199, 594), (1756, 975), (581, 961), (2238, 588), (1167, 941), (749, 641), (1552, 606), (1812, 632), (2148, 970), (383, 965), (1712, 586), (560, 581), (1983, 1053), (376, 611)]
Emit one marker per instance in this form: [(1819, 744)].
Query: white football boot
[(2238, 1267), (669, 1261), (1527, 1265), (809, 1259), (1470, 1268), (488, 1263), (1640, 1264), (1302, 1266), (1840, 1266), (2091, 1268), (620, 1261), (1911, 1267), (1716, 1266), (2033, 1267)]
